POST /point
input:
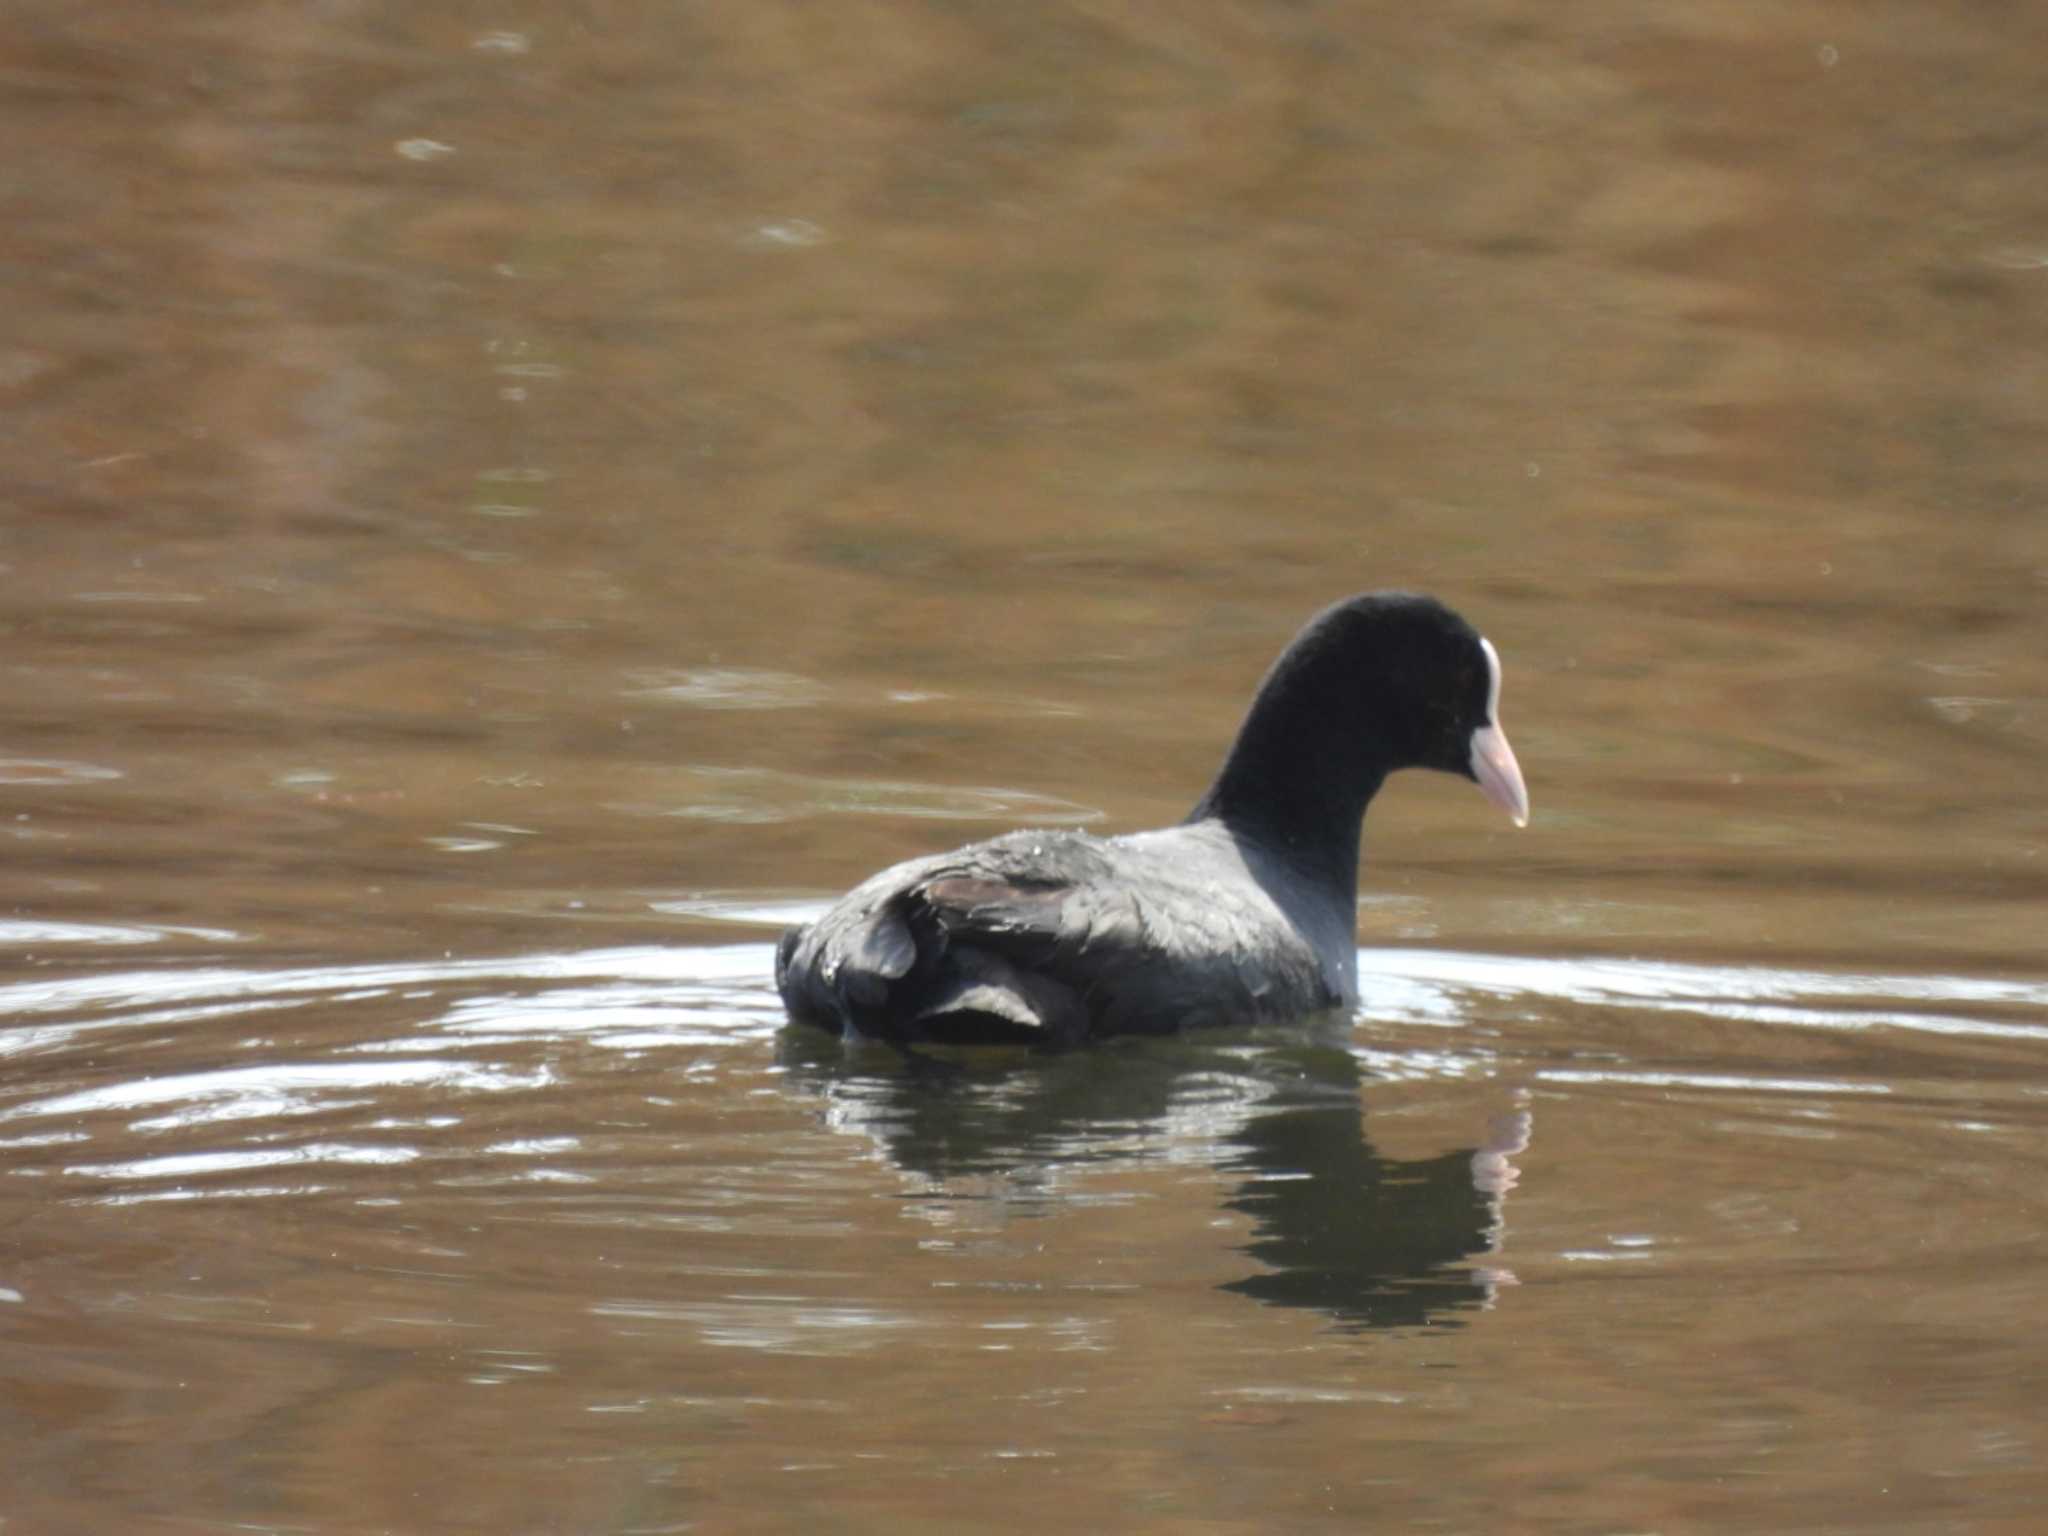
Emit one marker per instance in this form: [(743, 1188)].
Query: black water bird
[(1244, 912)]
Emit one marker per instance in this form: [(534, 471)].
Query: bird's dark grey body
[(1244, 912), (1058, 936)]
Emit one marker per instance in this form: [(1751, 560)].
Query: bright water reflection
[(535, 1024)]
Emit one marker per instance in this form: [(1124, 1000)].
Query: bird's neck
[(1301, 797)]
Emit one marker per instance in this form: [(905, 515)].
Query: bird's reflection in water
[(1376, 1242), (1370, 1241)]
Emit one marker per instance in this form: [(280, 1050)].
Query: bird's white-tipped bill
[(1493, 760), (1499, 775)]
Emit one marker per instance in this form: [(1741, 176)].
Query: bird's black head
[(1430, 684), (1373, 684)]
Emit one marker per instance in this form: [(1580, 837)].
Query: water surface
[(499, 513)]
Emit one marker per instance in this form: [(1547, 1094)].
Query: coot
[(1245, 911)]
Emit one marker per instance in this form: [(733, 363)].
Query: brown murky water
[(501, 509)]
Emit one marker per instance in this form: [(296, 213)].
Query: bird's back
[(1056, 937)]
